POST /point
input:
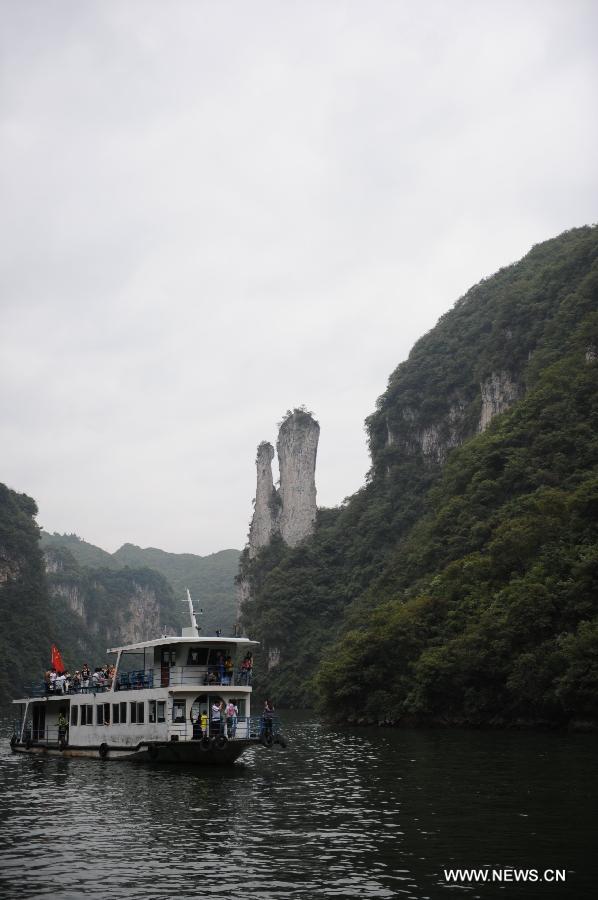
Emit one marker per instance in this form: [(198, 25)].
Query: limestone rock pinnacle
[(290, 511), (297, 447), (264, 524)]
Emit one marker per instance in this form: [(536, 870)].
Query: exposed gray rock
[(72, 595), (139, 617), (289, 512), (52, 562), (435, 440), (297, 448), (591, 353), (10, 568), (273, 657), (264, 524), (499, 392)]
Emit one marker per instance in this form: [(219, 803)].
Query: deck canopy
[(168, 640)]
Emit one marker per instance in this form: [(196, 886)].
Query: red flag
[(57, 662)]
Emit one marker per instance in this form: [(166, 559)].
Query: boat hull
[(185, 753)]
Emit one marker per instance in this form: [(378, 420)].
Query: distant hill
[(211, 579)]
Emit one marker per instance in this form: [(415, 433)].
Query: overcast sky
[(212, 212)]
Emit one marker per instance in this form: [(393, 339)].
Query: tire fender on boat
[(103, 751), (205, 743), (280, 741), (220, 742)]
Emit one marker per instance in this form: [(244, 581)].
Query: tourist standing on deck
[(267, 718), (62, 726), (232, 713), (216, 718), (246, 667)]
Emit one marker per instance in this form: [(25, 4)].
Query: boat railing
[(179, 676), (49, 735), (41, 689), (38, 689), (135, 681), (247, 727)]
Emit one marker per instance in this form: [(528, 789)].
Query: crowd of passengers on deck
[(82, 681), (224, 718), (223, 671)]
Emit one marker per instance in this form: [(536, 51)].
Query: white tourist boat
[(159, 707)]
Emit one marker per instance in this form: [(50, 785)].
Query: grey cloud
[(213, 212)]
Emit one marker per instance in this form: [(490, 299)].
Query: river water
[(341, 813)]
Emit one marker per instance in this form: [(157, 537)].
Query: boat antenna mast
[(194, 625)]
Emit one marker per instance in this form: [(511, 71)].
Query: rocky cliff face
[(115, 608), (499, 392), (455, 424), (433, 440), (9, 568), (139, 618)]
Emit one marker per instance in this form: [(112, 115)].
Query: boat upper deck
[(206, 640)]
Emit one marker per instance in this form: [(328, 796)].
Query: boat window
[(137, 716), (87, 714), (106, 714), (178, 710), (74, 715), (168, 656), (198, 656), (116, 713), (100, 714), (123, 713), (161, 711), (151, 711)]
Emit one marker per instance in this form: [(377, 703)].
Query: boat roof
[(173, 639)]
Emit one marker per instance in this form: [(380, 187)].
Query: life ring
[(153, 752), (103, 751), (205, 743), (220, 742)]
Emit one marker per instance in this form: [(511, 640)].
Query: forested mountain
[(460, 584), (211, 579), (64, 591), (50, 598), (24, 607)]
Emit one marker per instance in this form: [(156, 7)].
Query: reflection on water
[(342, 813)]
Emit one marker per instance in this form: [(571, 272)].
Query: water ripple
[(340, 814)]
